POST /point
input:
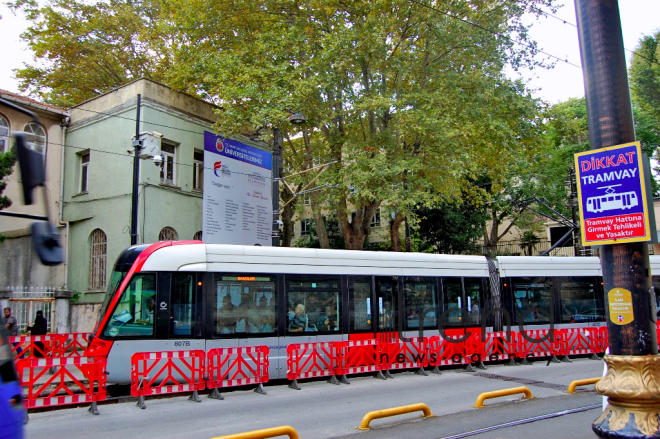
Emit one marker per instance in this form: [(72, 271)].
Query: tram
[(187, 295)]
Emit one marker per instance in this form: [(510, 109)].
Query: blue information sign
[(612, 195)]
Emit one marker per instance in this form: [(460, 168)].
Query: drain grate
[(521, 381)]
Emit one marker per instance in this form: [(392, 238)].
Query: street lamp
[(296, 119)]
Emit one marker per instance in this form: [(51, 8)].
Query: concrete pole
[(633, 347)]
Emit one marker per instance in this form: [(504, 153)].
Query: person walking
[(12, 327), (40, 327)]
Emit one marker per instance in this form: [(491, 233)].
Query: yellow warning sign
[(621, 309)]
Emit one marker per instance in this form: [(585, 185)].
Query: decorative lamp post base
[(632, 385)]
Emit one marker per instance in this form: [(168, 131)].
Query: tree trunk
[(395, 236), (319, 223), (356, 231), (287, 216)]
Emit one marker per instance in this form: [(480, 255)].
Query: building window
[(98, 253), (305, 226), (168, 234), (198, 236), (84, 172), (4, 135), (198, 171), (375, 220), (307, 200), (37, 136), (167, 170)]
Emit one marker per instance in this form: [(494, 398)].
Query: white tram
[(189, 295)]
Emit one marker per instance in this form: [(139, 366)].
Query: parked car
[(12, 411)]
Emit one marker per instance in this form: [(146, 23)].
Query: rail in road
[(322, 410)]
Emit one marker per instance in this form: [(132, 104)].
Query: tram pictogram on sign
[(612, 192)]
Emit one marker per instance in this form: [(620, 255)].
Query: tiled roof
[(30, 102)]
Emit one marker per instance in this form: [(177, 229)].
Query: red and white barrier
[(65, 385), (228, 367), (500, 345), (538, 343), (578, 341), (311, 360), (157, 373), (358, 356), (446, 351), (406, 355), (73, 344), (36, 346)]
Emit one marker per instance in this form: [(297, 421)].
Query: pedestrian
[(12, 327), (40, 327)]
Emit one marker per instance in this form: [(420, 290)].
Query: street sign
[(612, 195)]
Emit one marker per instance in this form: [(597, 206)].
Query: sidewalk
[(576, 425)]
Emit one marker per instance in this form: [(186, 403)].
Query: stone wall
[(83, 316)]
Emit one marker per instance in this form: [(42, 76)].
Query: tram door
[(462, 304), (178, 311), (386, 308)]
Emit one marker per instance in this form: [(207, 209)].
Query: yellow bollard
[(265, 433), (585, 382), (393, 412), (504, 392)]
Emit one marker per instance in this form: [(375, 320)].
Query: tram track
[(525, 421)]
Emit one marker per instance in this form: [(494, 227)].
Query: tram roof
[(526, 266), (291, 260)]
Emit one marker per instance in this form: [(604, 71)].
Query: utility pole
[(277, 154), (633, 363), (574, 214), (136, 175)]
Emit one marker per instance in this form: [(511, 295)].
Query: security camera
[(279, 223), (158, 160)]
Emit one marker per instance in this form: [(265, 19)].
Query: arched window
[(168, 234), (198, 236), (38, 138), (4, 134), (98, 254)]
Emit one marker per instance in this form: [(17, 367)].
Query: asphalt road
[(323, 410)]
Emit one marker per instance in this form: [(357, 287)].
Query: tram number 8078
[(181, 343)]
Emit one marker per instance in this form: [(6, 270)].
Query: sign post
[(620, 226), (612, 193)]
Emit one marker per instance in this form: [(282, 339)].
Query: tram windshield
[(134, 314)]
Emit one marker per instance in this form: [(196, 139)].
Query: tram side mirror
[(31, 164), (46, 242)]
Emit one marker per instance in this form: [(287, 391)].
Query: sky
[(638, 18)]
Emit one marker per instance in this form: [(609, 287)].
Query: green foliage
[(404, 100), (312, 241), (82, 49), (452, 227), (645, 75), (7, 161)]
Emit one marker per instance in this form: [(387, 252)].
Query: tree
[(645, 75), (452, 227), (7, 160), (403, 100), (83, 49)]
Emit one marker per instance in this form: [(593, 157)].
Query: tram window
[(360, 292), (420, 300), (386, 301), (183, 294), (529, 293), (473, 296), (313, 305), (245, 304), (134, 315), (453, 300), (578, 301)]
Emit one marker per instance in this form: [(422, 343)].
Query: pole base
[(633, 391)]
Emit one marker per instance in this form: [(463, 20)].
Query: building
[(99, 177), (20, 269)]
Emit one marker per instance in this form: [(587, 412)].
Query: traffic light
[(31, 164)]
